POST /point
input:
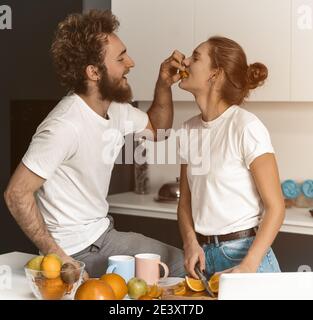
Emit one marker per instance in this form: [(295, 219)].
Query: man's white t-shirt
[(74, 149), (218, 154)]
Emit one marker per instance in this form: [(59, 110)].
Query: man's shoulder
[(64, 114), (65, 108)]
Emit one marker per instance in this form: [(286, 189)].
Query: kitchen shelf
[(297, 220)]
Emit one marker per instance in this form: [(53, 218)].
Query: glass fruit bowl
[(60, 285)]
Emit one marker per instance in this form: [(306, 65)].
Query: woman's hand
[(193, 254), (241, 268)]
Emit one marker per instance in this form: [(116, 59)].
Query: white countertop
[(297, 220), (13, 283), (14, 286)]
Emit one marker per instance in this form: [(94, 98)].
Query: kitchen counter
[(297, 220), (13, 283), (14, 286)]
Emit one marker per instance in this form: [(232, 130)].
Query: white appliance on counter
[(266, 286)]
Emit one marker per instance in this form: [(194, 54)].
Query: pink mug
[(147, 266)]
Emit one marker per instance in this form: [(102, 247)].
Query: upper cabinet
[(278, 33), (302, 51), (151, 31), (262, 28)]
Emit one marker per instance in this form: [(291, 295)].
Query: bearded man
[(58, 192)]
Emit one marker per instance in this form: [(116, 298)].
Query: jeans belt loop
[(216, 241)]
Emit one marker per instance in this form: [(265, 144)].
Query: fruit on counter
[(214, 283), (194, 284), (117, 283), (155, 291), (94, 289), (180, 289), (137, 288), (51, 289), (145, 297), (69, 273), (34, 263), (55, 256), (51, 266)]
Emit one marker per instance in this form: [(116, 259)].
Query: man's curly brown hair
[(78, 42)]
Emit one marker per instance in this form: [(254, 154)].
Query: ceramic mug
[(122, 265), (148, 267)]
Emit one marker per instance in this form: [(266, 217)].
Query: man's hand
[(169, 69), (67, 259), (193, 254)]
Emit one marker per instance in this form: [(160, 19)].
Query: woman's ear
[(212, 76)]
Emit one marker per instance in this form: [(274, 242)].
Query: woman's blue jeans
[(220, 256)]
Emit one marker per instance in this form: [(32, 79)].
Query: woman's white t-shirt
[(219, 153)]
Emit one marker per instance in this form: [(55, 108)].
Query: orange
[(94, 290), (51, 266), (145, 297), (155, 291), (51, 289), (117, 283), (194, 284), (180, 289), (69, 288), (214, 283)]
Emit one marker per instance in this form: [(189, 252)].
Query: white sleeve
[(183, 147), (136, 120), (255, 142), (53, 143)]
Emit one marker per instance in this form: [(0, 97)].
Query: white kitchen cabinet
[(277, 33), (302, 51), (262, 28), (151, 31)]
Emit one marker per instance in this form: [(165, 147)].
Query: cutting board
[(168, 294)]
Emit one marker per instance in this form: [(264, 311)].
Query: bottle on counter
[(141, 172)]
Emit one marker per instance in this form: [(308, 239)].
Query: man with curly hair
[(58, 192)]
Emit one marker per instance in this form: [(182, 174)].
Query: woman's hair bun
[(256, 74)]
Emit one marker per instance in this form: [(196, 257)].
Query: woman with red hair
[(231, 206)]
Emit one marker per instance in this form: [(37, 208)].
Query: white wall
[(291, 128)]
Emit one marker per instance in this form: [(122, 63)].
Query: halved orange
[(194, 284), (214, 283)]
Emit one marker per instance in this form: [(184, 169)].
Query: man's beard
[(113, 90)]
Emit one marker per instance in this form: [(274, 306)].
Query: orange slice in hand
[(194, 284)]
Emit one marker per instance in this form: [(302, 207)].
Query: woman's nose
[(185, 62)]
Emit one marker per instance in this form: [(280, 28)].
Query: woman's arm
[(266, 177), (192, 249)]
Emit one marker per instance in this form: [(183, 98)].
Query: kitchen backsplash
[(291, 128)]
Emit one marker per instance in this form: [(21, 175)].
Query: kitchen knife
[(204, 280)]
